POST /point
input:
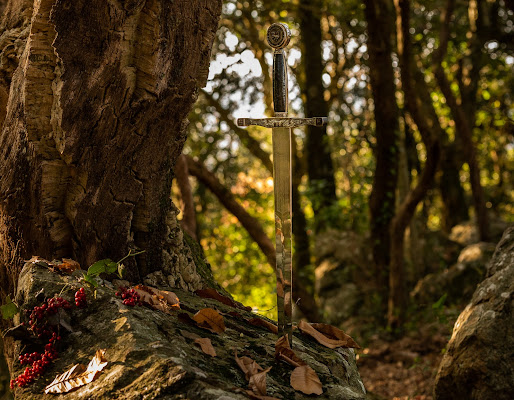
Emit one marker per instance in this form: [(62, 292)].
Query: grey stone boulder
[(479, 361), (340, 280), (457, 282), (151, 355)]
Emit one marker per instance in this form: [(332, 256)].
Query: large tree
[(95, 95)]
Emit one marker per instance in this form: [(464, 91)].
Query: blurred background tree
[(420, 140)]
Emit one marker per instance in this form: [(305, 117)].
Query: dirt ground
[(403, 369)]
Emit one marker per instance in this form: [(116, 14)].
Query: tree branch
[(306, 303), (248, 141)]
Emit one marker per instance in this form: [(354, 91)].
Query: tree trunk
[(320, 169), (419, 107), (99, 92), (455, 209), (382, 199)]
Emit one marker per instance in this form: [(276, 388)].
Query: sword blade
[(281, 138)]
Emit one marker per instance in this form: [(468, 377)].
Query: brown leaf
[(210, 319), (254, 373), (78, 375), (305, 380), (284, 352), (68, 266), (189, 335), (265, 324), (249, 366), (328, 335), (210, 293), (159, 299), (206, 346), (257, 382)]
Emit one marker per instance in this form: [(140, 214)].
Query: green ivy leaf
[(111, 267), (9, 309), (98, 267), (91, 280)]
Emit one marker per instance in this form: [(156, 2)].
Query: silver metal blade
[(283, 226)]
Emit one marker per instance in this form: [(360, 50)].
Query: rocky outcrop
[(466, 233), (151, 354), (478, 364), (459, 281), (338, 274)]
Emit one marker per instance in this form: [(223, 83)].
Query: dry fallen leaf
[(305, 380), (257, 382), (159, 299), (265, 324), (284, 352), (210, 319), (189, 335), (328, 335), (68, 266), (78, 375), (254, 373), (206, 346)]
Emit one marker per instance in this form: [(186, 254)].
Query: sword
[(278, 37)]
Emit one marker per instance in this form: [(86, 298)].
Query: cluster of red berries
[(130, 297), (39, 315), (38, 322), (38, 362), (80, 298)]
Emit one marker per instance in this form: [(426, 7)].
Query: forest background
[(420, 140)]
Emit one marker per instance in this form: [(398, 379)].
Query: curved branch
[(306, 304), (252, 226)]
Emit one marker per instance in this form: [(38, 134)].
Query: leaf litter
[(78, 375)]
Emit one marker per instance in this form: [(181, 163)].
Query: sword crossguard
[(282, 122)]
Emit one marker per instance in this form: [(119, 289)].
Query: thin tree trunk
[(99, 93), (320, 169), (379, 17), (419, 106), (464, 114)]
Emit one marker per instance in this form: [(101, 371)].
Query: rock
[(479, 362), (457, 282), (466, 233), (339, 273), (149, 357)]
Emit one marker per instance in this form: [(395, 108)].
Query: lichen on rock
[(150, 357)]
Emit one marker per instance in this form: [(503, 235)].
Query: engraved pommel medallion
[(278, 35)]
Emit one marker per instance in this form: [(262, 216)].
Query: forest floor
[(405, 368)]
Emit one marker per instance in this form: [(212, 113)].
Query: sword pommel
[(278, 35)]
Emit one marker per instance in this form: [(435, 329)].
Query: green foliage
[(236, 86), (9, 309), (107, 266)]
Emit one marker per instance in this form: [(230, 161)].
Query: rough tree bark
[(97, 98), (379, 17)]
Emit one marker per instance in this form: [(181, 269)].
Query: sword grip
[(279, 82)]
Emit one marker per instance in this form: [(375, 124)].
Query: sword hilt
[(278, 37), (282, 122)]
